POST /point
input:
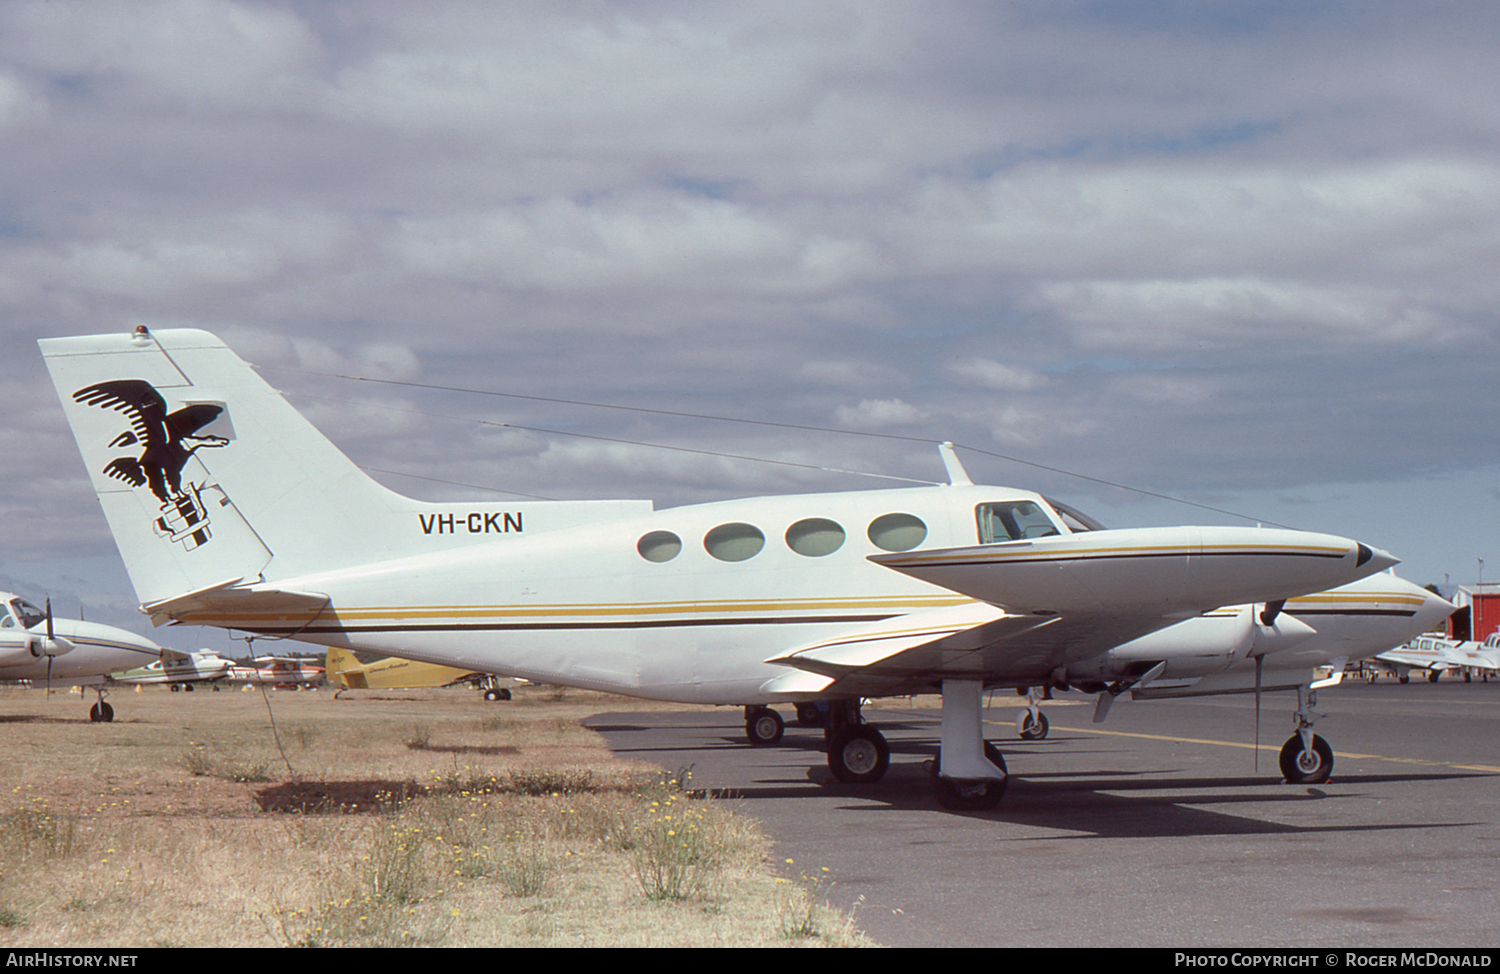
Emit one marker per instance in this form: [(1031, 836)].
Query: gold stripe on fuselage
[(472, 615)]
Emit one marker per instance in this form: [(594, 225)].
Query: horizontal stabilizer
[(251, 607)]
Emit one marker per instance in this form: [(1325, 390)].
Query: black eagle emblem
[(166, 440)]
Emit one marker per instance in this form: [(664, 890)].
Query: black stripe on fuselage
[(570, 626)]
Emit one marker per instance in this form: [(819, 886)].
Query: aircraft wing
[(1048, 602), (1477, 659), (915, 652)]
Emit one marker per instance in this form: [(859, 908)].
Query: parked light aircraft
[(178, 670), (231, 510), (1431, 655), (279, 671), (1436, 655), (396, 673), (1482, 658), (60, 652)]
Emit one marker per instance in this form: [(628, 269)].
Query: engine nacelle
[(1195, 647)]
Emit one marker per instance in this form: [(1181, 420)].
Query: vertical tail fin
[(344, 670), (209, 478)]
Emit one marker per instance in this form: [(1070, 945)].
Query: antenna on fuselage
[(957, 475)]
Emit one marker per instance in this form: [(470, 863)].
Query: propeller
[(52, 646), (1274, 635), (1108, 695), (50, 643), (1260, 662)]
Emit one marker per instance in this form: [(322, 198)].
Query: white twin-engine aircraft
[(231, 510), (52, 652)]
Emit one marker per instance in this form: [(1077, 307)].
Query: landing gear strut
[(1306, 759), (971, 773)]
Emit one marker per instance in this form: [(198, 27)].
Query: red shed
[(1478, 612)]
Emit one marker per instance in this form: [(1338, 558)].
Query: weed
[(37, 831), (676, 850), (393, 870), (551, 781), (197, 761), (526, 873)]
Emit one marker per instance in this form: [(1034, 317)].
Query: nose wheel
[(1303, 765), (101, 712), (1306, 759)]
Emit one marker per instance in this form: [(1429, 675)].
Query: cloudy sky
[(1238, 253)]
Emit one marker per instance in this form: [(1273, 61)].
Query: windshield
[(1075, 519)]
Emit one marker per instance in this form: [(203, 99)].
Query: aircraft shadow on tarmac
[(1088, 803)]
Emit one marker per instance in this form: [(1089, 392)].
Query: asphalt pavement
[(1153, 829)]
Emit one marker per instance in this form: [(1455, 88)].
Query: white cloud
[(998, 376), (877, 414)]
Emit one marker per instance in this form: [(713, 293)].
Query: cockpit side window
[(1012, 521), (28, 614)]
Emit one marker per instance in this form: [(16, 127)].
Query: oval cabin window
[(815, 537), (897, 532), (659, 546), (734, 542)]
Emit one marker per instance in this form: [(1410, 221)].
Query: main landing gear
[(763, 726), (971, 773), (1306, 759), (857, 753)]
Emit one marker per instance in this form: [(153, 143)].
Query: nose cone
[(1376, 560), (1434, 609)]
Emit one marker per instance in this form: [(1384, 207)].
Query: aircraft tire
[(859, 755), (764, 727), (808, 715), (493, 694), (1302, 768), (1432, 676), (957, 796), (1033, 730), (101, 713)]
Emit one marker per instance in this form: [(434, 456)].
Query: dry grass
[(392, 818)]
